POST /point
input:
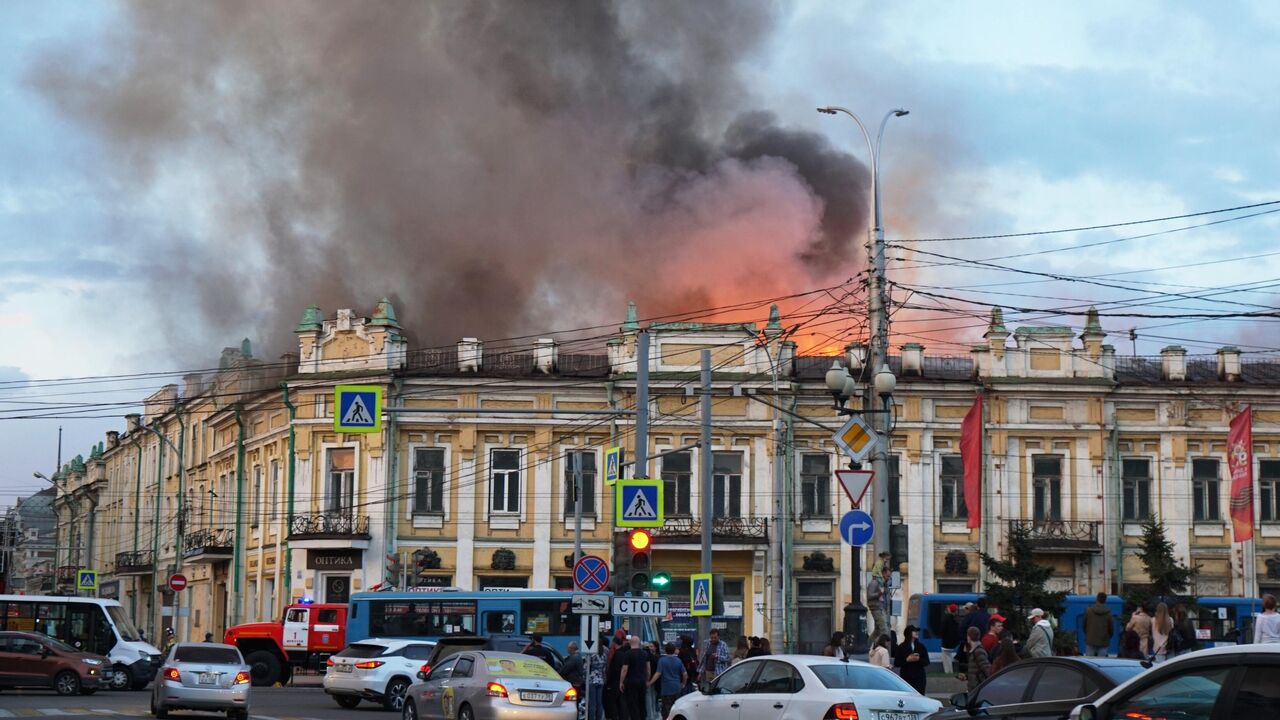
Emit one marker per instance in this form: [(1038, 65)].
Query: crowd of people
[(630, 680)]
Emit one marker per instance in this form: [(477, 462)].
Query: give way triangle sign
[(855, 483)]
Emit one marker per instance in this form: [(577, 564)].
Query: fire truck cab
[(306, 636)]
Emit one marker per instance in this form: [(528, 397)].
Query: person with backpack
[(1040, 638), (979, 662)]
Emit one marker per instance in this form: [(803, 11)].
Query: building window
[(726, 484), (1204, 489), (340, 491), (1046, 472), (1135, 480), (428, 480), (505, 488), (815, 485), (273, 493), (255, 510), (895, 486), (587, 461), (676, 481), (1269, 487), (951, 481)]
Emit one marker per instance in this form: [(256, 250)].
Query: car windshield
[(362, 650), (520, 667), (1120, 673), (847, 676), (124, 626), (202, 654)]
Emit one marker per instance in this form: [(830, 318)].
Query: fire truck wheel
[(264, 668)]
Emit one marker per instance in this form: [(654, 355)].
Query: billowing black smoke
[(497, 168)]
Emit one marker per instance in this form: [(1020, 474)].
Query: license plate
[(344, 668), (208, 678), (537, 696), (896, 715)]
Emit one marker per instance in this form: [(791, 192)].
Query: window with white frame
[(504, 474), (340, 482), (1269, 489), (587, 466), (428, 480), (951, 485), (677, 481), (815, 485), (726, 484), (255, 510), (1046, 481), (1204, 489), (273, 487), (1135, 482)]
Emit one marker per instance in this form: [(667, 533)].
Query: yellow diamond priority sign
[(856, 438)]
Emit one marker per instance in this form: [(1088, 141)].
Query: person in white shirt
[(1266, 627)]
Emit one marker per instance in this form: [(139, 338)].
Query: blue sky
[(1024, 117)]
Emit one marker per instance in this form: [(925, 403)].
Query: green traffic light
[(660, 581)]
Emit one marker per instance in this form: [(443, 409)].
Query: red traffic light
[(639, 540)]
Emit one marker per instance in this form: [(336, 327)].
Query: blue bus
[(435, 614)]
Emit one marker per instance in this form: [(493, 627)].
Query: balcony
[(329, 530), (137, 562), (1061, 535), (66, 574), (723, 529), (208, 546)]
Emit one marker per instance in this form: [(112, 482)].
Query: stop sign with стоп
[(177, 582)]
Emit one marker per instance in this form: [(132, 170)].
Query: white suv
[(376, 670)]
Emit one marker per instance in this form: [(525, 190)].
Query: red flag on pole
[(1240, 465), (971, 458)]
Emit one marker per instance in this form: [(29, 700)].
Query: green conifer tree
[(1020, 583)]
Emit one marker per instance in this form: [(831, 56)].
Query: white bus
[(91, 624)]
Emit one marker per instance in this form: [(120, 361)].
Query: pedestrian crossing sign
[(637, 503), (87, 580), (612, 465), (357, 408), (700, 594)]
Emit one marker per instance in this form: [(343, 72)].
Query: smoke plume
[(496, 168)]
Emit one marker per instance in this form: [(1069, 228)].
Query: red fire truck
[(306, 636)]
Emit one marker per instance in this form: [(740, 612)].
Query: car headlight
[(144, 654), (90, 661)]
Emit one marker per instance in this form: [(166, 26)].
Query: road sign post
[(640, 607), (857, 528), (357, 408), (855, 483), (638, 503), (177, 582), (591, 574), (87, 580), (700, 598), (612, 465), (589, 604), (856, 438)]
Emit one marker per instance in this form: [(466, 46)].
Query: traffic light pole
[(704, 621)]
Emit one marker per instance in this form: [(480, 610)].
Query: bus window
[(500, 623), (549, 617), (20, 616), (82, 622), (421, 619)]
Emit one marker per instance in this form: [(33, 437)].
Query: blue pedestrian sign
[(637, 503), (857, 528), (357, 408), (612, 465), (591, 574), (87, 580), (700, 594)]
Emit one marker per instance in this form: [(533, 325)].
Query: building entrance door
[(337, 588), (815, 603)]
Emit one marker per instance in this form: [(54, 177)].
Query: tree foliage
[(1020, 583), (1168, 577)]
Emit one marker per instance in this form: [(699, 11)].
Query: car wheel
[(120, 679), (67, 683), (264, 668), (464, 713), (410, 711), (346, 701), (393, 699)]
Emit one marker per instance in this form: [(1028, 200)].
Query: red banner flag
[(1240, 465), (971, 458)]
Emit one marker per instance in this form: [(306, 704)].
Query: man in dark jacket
[(950, 633), (978, 617), (1099, 626)]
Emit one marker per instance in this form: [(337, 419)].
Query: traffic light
[(640, 545), (621, 563), (392, 574), (660, 581)]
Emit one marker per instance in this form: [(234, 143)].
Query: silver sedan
[(484, 685), (202, 676)]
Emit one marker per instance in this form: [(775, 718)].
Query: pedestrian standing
[(597, 666), (652, 705), (634, 679), (715, 657), (689, 656), (880, 654), (1184, 638), (1140, 624), (1040, 637), (1161, 630), (911, 658), (978, 617), (878, 601), (1266, 627), (740, 652), (574, 670), (951, 637), (614, 707), (671, 679), (979, 663), (1006, 655), (1099, 626), (995, 629), (835, 647)]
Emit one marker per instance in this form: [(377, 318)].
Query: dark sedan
[(1041, 688)]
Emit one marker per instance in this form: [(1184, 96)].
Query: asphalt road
[(290, 703)]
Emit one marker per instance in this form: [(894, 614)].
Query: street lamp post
[(878, 355)]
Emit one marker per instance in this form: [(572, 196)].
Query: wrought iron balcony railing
[(1061, 534), (134, 562), (66, 573), (722, 528), (209, 541), (328, 525)]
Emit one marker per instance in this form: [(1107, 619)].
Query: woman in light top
[(879, 654), (1161, 629)]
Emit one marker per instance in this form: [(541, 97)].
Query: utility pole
[(642, 404), (704, 457)]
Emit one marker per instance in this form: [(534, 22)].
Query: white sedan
[(805, 687)]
